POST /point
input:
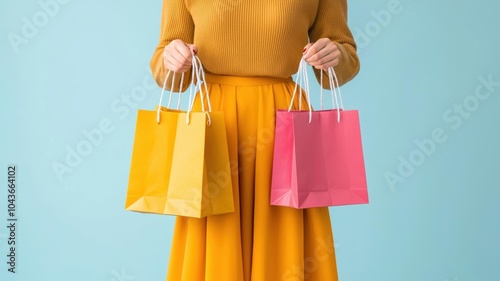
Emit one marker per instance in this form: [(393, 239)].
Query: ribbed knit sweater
[(255, 37)]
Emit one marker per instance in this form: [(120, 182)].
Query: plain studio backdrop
[(74, 73)]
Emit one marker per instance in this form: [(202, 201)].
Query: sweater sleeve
[(176, 23), (331, 22)]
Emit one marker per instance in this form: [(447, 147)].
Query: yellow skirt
[(258, 242)]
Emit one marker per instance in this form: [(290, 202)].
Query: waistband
[(244, 80)]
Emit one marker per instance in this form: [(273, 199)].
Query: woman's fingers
[(329, 60), (176, 63), (322, 54), (177, 55)]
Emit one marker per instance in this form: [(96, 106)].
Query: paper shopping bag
[(318, 155), (180, 160), (178, 168), (320, 163), (200, 179), (151, 161)]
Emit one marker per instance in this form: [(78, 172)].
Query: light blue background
[(441, 223)]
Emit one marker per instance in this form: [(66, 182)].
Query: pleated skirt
[(258, 242)]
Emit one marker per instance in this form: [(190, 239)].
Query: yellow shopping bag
[(151, 161), (200, 178), (180, 160)]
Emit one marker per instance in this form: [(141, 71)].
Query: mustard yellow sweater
[(255, 37)]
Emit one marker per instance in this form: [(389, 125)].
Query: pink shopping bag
[(318, 158)]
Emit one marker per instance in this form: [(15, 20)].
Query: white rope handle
[(179, 92), (171, 88), (306, 86), (335, 91), (297, 82), (199, 73), (201, 77), (191, 90), (335, 85), (193, 73), (304, 81), (192, 93), (332, 90), (158, 110), (161, 97)]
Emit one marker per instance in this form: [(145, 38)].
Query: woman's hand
[(177, 55), (322, 54)]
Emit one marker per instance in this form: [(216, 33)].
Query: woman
[(249, 50)]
